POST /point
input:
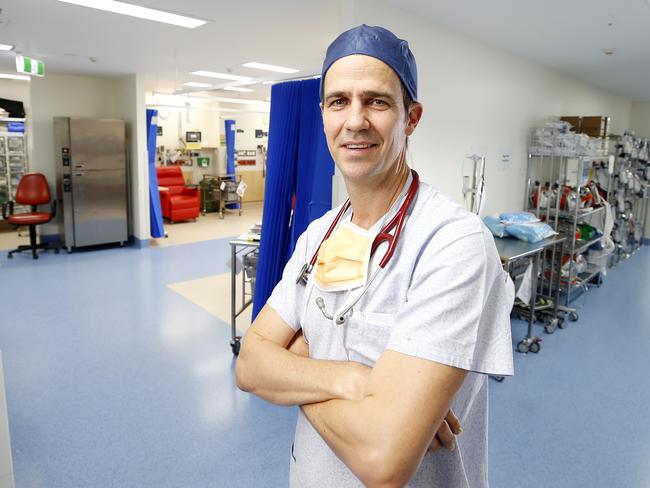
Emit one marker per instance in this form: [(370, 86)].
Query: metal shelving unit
[(13, 159), (630, 192), (558, 173)]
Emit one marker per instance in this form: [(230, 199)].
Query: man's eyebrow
[(367, 94)]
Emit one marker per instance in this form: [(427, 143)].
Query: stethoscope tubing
[(397, 223)]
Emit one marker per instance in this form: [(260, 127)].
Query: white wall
[(86, 96), (640, 119), (478, 98), (64, 95), (174, 122), (129, 106), (640, 124), (246, 141)]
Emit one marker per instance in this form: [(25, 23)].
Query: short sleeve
[(457, 309), (287, 294)]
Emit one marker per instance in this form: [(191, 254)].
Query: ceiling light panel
[(238, 89), (270, 67), (195, 84), (139, 12), (6, 47), (8, 76), (221, 76)]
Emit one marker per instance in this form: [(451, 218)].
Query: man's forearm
[(279, 376), (353, 430)]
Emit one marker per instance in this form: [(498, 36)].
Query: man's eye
[(337, 102), (377, 101)]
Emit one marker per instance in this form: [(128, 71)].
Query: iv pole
[(477, 187)]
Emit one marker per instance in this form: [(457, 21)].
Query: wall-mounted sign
[(203, 162), (259, 133), (29, 66), (159, 130)]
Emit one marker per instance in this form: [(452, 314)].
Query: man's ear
[(321, 107), (414, 116)]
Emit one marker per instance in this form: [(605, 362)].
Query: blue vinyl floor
[(114, 380)]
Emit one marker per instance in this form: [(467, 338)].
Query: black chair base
[(33, 246)]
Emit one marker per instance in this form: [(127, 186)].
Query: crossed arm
[(379, 421)]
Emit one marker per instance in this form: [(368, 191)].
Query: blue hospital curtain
[(155, 214), (230, 153), (298, 165)]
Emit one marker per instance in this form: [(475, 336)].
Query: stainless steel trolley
[(511, 251), (248, 278)]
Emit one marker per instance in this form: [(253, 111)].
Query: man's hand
[(446, 435)]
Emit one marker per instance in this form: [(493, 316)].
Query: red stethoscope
[(384, 235)]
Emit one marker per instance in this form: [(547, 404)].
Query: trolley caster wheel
[(534, 347), (522, 347), (235, 345), (203, 213), (561, 323), (499, 378), (240, 213), (221, 215), (56, 251), (10, 256), (573, 316), (551, 326)]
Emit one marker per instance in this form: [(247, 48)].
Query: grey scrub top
[(443, 297)]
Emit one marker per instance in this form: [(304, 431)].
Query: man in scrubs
[(377, 392)]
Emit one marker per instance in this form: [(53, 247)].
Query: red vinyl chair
[(177, 201), (33, 190)]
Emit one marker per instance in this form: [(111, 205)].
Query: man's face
[(364, 117)]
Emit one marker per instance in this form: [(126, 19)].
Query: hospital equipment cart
[(228, 185), (512, 251), (250, 252)]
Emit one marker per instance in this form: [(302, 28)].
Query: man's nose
[(357, 117)]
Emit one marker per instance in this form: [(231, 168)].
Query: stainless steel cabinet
[(91, 181)]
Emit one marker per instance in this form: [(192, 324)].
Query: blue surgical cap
[(379, 43)]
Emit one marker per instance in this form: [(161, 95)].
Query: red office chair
[(32, 190)]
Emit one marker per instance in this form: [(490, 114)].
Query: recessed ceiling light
[(270, 67), (14, 77), (196, 84), (238, 100), (139, 12), (238, 89), (270, 82), (6, 47), (221, 76)]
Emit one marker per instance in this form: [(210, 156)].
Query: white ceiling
[(564, 34), (567, 35)]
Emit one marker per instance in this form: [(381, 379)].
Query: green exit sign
[(29, 66), (203, 162)]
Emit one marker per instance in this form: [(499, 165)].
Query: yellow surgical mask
[(343, 259)]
